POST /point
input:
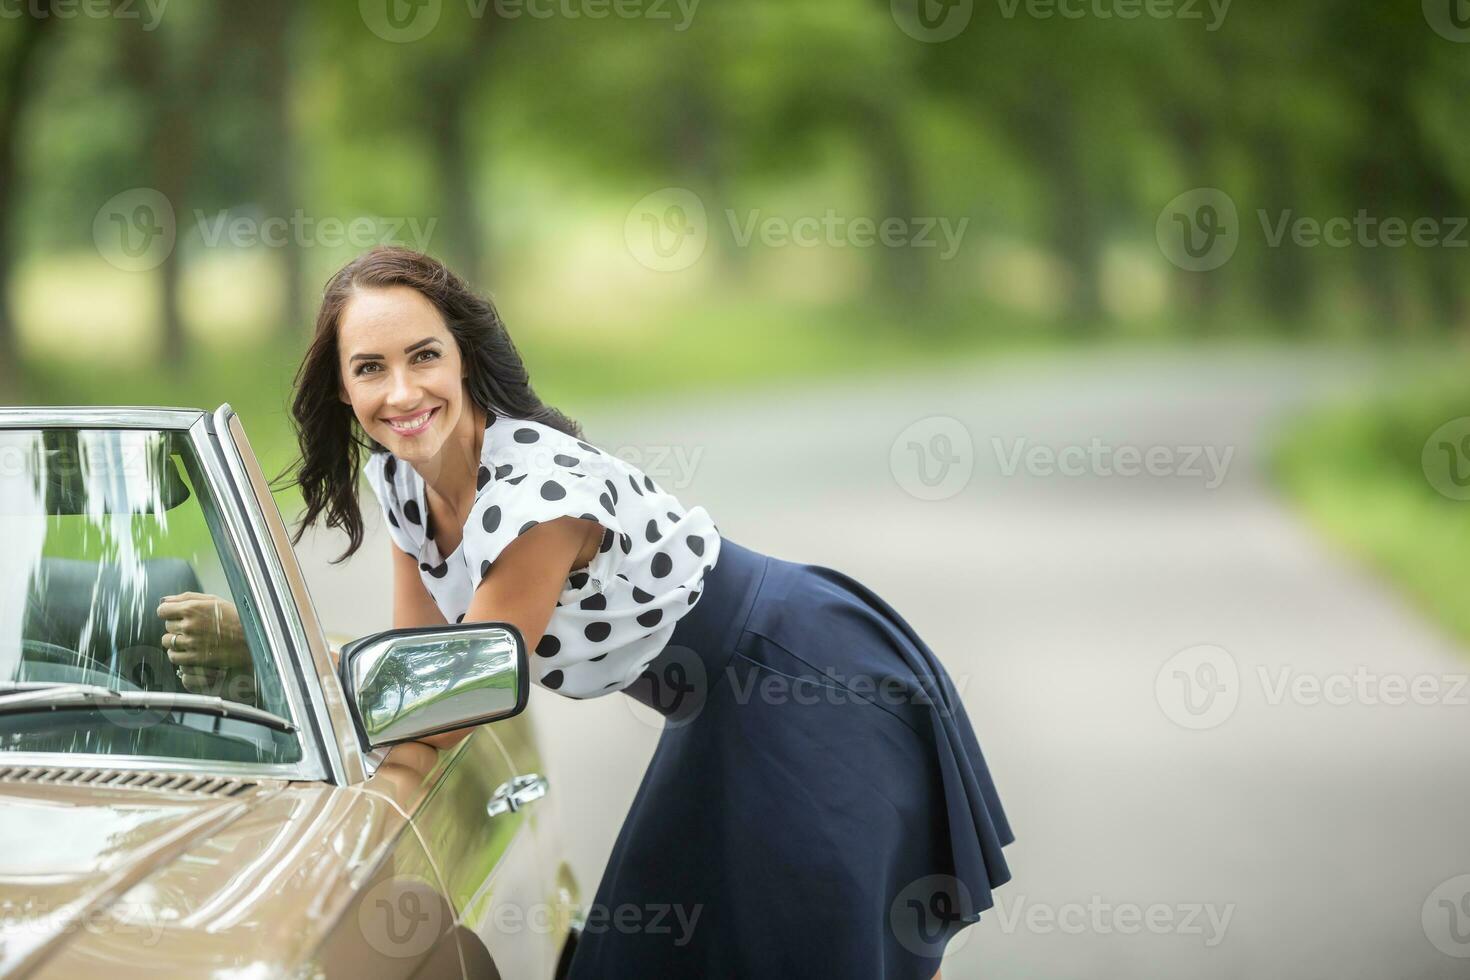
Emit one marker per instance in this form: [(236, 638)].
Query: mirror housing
[(407, 684)]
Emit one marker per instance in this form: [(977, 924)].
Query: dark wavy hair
[(327, 431)]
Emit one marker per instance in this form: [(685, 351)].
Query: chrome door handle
[(515, 793)]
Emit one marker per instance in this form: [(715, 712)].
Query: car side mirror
[(406, 684)]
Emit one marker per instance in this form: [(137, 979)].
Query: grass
[(1361, 474), (673, 352)]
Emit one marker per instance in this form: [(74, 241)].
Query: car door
[(481, 825), (475, 808)]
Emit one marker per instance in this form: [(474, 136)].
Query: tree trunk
[(1188, 130), (449, 93), (454, 171), (1045, 131), (273, 25), (19, 79), (1286, 272), (902, 274)]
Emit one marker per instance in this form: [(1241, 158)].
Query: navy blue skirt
[(817, 805)]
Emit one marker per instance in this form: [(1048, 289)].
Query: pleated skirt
[(817, 805)]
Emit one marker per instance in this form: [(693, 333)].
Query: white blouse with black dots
[(613, 616)]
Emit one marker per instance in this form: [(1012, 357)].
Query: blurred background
[(1121, 344)]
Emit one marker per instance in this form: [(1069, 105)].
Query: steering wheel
[(139, 668), (55, 664)]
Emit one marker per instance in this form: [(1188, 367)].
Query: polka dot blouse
[(615, 614)]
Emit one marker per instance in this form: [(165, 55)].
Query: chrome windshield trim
[(336, 738), (214, 461), (150, 763), (84, 417)]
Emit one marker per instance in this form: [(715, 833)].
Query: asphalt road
[(1225, 749)]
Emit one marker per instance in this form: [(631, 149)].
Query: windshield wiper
[(23, 696)]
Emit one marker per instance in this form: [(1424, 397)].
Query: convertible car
[(292, 826)]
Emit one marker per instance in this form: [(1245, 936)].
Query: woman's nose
[(405, 392)]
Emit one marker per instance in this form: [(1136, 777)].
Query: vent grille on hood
[(173, 782)]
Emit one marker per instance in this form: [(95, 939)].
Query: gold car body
[(118, 867)]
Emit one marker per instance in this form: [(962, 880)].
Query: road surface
[(1195, 709)]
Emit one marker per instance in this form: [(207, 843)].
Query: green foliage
[(1358, 473)]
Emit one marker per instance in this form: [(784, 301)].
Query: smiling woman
[(855, 764)]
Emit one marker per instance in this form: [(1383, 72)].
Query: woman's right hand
[(205, 641)]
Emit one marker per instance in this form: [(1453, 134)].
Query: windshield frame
[(242, 544)]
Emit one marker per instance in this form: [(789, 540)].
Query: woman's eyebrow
[(407, 350)]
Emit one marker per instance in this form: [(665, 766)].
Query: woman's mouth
[(412, 425)]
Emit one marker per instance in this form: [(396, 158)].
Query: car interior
[(105, 549)]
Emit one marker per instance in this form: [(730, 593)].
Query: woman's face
[(401, 370)]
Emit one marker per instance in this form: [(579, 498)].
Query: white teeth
[(412, 423)]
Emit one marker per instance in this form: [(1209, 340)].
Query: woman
[(817, 804)]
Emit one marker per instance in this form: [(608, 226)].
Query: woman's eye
[(373, 367)]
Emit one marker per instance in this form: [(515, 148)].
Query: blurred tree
[(173, 68), (267, 27), (22, 47)]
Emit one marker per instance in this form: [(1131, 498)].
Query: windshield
[(116, 573)]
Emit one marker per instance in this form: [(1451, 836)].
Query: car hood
[(172, 881)]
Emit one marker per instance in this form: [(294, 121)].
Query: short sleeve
[(388, 483), (530, 491)]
